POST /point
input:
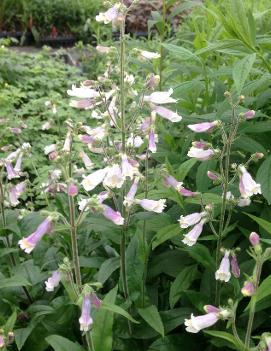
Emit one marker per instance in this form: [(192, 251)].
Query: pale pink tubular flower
[(249, 114), (72, 189), (95, 300), (126, 168), (248, 289), (146, 124), (200, 144), (83, 92), (129, 198), (171, 181), (18, 163), (235, 269), (203, 127), (152, 205), (11, 174), (111, 15), (29, 243), (92, 180), (85, 138), (167, 114), (196, 324), (84, 104), (254, 239), (104, 195), (114, 177), (15, 192), (200, 154), (85, 319), (223, 273), (160, 97), (112, 215), (86, 160), (247, 184), (244, 202), (267, 339), (149, 55), (152, 142), (191, 237), (53, 281), (67, 142), (191, 219)]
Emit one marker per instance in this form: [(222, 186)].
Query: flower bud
[(72, 189), (254, 239), (248, 289), (249, 114), (211, 175), (257, 156)]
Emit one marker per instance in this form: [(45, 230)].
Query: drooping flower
[(129, 198), (196, 324), (83, 92), (67, 142), (243, 202), (49, 149), (18, 164), (53, 281), (211, 309), (203, 127), (171, 181), (86, 160), (114, 177), (126, 168), (200, 154), (103, 49), (85, 138), (112, 215), (192, 236), (134, 141), (267, 339), (11, 173), (167, 114), (191, 219), (113, 15), (248, 288), (254, 239), (29, 243), (223, 273), (152, 141), (235, 269), (247, 185), (213, 176), (85, 319), (152, 205), (2, 341), (15, 192), (160, 97), (149, 55), (83, 204), (92, 180)]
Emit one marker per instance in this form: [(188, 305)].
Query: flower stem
[(258, 270), (75, 255), (162, 37)]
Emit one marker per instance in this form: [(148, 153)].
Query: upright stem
[(162, 37), (226, 168), (75, 254), (253, 301)]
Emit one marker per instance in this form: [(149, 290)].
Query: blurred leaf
[(59, 343), (165, 233), (117, 309), (262, 222), (264, 178), (241, 71), (107, 268), (181, 53), (13, 281)]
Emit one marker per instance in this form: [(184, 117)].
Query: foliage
[(148, 279)]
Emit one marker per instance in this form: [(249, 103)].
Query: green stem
[(122, 86), (162, 37), (253, 302), (75, 255)]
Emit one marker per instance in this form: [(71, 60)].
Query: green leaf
[(59, 343), (107, 268), (6, 251), (241, 71), (182, 282), (264, 289), (264, 178), (117, 309), (225, 336), (102, 332), (21, 336), (181, 53), (165, 233), (262, 222), (184, 168), (202, 181), (201, 254), (14, 281), (9, 326), (152, 317)]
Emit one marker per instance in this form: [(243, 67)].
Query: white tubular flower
[(200, 154), (114, 177), (196, 324), (191, 219), (126, 168), (83, 92), (92, 180), (191, 237), (247, 185), (152, 205), (134, 141), (160, 97), (49, 148), (223, 273), (149, 55), (53, 281)]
